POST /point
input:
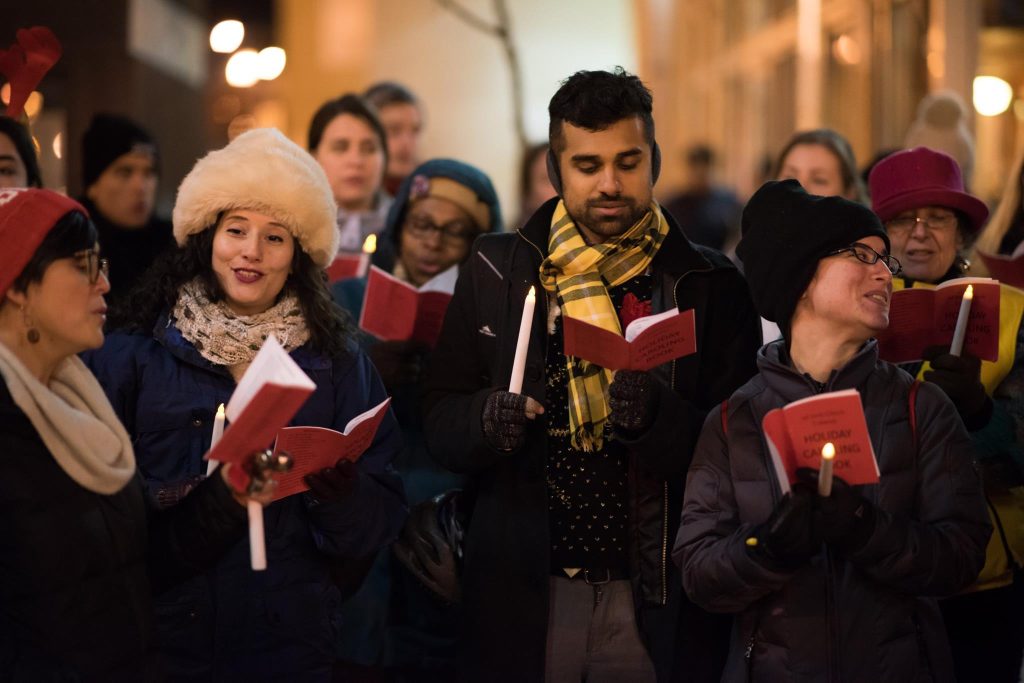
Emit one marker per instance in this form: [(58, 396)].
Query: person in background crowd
[(439, 210), (578, 479), (942, 124), (19, 166), (347, 140), (401, 114), (81, 551), (931, 220), (822, 161), (1004, 232), (709, 214), (255, 224), (843, 587), (120, 173), (534, 185)]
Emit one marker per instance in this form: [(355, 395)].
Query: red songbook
[(346, 266), (646, 343), (1008, 269), (797, 432), (269, 394), (315, 448), (919, 318), (396, 311)]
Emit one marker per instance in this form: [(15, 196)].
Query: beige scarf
[(75, 421)]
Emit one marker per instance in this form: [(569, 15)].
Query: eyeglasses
[(935, 221), (94, 265), (453, 233), (866, 254)]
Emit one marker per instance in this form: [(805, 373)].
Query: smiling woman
[(255, 226)]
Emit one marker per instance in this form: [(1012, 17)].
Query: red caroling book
[(647, 342), (396, 311)]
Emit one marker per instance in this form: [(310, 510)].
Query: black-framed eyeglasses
[(94, 265), (452, 233), (866, 254), (934, 221)]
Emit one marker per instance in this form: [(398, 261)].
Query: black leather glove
[(786, 538), (333, 483), (960, 378), (430, 545), (398, 362), (632, 398), (844, 519), (504, 420)]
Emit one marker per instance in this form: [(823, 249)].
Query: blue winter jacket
[(234, 623)]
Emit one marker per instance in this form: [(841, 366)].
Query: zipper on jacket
[(748, 654)]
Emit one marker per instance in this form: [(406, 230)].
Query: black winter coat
[(870, 617), (506, 570), (77, 568)]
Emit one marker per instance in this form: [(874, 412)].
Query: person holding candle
[(348, 141), (82, 552), (255, 226), (841, 587), (578, 478), (931, 220), (440, 208)]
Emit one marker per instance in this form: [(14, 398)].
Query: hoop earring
[(963, 264), (32, 334)]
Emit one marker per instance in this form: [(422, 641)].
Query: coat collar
[(779, 374)]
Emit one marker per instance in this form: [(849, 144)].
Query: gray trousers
[(593, 636)]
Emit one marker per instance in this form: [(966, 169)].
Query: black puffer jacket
[(507, 566), (77, 568), (871, 617)]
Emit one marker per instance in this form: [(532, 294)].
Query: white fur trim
[(261, 170)]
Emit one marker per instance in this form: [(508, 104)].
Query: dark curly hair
[(330, 327), (595, 100)]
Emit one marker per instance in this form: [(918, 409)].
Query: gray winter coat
[(871, 616)]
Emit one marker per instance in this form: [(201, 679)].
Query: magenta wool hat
[(26, 217), (920, 177)]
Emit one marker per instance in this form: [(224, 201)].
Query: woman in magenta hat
[(931, 220), (81, 552)]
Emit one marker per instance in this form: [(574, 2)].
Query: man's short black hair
[(595, 100)]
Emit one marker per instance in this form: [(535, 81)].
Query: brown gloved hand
[(632, 399), (505, 418), (333, 483), (960, 378)]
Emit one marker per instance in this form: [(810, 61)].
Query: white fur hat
[(261, 170)]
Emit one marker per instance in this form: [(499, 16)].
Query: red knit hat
[(921, 177), (26, 216)]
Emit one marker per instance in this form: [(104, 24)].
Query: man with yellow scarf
[(577, 481)]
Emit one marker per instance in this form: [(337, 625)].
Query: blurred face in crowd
[(252, 257), (126, 191), (606, 177), (816, 168), (436, 234), (540, 189), (403, 124), (849, 294), (352, 156), (926, 242), (66, 306), (12, 168)]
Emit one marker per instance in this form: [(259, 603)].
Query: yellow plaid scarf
[(580, 275)]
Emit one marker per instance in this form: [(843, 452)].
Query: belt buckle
[(595, 582)]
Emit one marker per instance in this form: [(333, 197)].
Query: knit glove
[(504, 421), (960, 378), (333, 483), (398, 362), (632, 398), (786, 539), (844, 519)]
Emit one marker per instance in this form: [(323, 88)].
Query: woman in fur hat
[(255, 226), (81, 550), (843, 587)]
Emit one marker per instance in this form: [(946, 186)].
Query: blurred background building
[(738, 75)]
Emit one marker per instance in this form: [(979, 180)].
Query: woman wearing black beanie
[(842, 587)]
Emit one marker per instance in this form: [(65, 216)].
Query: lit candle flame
[(220, 411), (370, 244), (969, 293), (531, 296), (828, 451)]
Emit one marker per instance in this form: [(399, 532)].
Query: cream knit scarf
[(75, 421)]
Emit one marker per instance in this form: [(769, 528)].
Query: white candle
[(828, 454), (515, 385), (257, 541), (218, 431), (369, 246), (961, 322)]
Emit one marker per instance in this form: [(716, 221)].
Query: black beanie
[(107, 138), (785, 233)]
